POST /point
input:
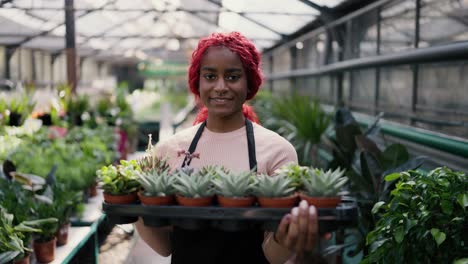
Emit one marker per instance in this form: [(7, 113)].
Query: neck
[(225, 124)]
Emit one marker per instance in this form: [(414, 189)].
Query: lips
[(220, 99)]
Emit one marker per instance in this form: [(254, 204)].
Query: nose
[(220, 86)]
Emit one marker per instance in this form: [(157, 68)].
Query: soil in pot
[(120, 199), (280, 202), (45, 252), (202, 201), (156, 200), (235, 201), (322, 202), (62, 234)]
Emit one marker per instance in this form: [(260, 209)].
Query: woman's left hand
[(298, 231)]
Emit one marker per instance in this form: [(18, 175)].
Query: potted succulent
[(234, 189), (12, 246), (119, 182), (425, 221), (322, 188), (157, 187), (295, 172), (193, 189), (274, 191)]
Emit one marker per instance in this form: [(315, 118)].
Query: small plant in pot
[(295, 172), (234, 189), (12, 237), (322, 188), (157, 187), (45, 242), (274, 191), (119, 182), (65, 202), (193, 189)]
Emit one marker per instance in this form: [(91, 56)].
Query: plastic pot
[(278, 202), (321, 202), (235, 201), (45, 251), (120, 199), (156, 200), (62, 234), (202, 201), (24, 260)]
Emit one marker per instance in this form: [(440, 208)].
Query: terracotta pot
[(45, 252), (321, 202), (120, 199), (24, 260), (280, 202), (236, 201), (202, 201), (92, 190), (62, 234), (156, 200)]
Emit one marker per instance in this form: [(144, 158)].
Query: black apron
[(216, 246)]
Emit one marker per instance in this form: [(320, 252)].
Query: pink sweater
[(229, 149)]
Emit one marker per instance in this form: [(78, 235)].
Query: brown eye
[(209, 76), (233, 77)]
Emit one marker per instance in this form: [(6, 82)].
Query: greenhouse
[(233, 131)]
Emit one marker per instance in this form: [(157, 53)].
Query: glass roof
[(146, 28)]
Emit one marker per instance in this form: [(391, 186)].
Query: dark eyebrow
[(231, 70)]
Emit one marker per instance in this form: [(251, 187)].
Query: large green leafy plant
[(366, 164), (299, 119), (424, 222)]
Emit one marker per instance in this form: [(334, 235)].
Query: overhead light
[(173, 44), (299, 45)]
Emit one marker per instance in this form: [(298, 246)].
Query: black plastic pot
[(15, 119)]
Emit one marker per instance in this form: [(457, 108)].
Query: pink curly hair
[(249, 56)]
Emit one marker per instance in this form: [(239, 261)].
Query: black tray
[(228, 219)]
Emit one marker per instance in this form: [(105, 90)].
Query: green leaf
[(438, 236), (462, 199), (8, 256), (392, 177), (461, 261), (399, 234), (377, 206)]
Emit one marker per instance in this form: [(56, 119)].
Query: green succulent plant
[(324, 183), (193, 185), (295, 172), (231, 184), (151, 161), (272, 186), (156, 182), (121, 179)]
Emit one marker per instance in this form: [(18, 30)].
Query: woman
[(224, 73)]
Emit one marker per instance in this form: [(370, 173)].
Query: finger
[(282, 230), (303, 226), (313, 228), (293, 230)]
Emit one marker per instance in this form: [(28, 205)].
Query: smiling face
[(223, 83)]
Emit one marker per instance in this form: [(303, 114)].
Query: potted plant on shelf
[(274, 191), (65, 203), (193, 189), (425, 220), (322, 188), (12, 237), (234, 189), (119, 182), (45, 242)]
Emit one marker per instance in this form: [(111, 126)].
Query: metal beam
[(3, 2), (70, 45), (249, 19), (45, 32), (160, 11), (455, 51)]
